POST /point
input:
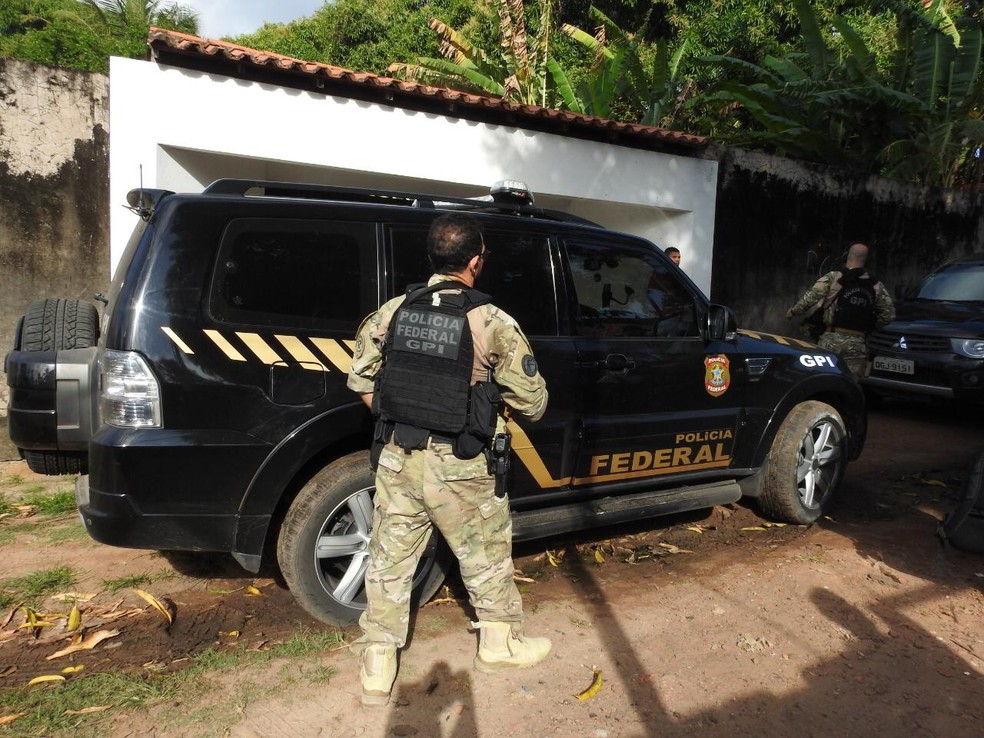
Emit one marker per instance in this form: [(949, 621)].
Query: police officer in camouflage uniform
[(853, 303), (420, 482)]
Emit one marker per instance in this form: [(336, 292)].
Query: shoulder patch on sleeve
[(529, 365)]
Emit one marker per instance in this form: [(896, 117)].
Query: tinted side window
[(627, 290), (517, 273), (295, 273)]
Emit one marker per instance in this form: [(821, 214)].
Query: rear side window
[(295, 273), (518, 274)]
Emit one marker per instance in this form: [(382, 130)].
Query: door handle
[(618, 363)]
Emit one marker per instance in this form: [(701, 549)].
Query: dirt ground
[(715, 624)]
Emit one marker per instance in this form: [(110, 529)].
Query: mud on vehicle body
[(212, 414)]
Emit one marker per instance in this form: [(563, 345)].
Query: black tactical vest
[(854, 307), (424, 386)]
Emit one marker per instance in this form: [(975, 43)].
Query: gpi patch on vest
[(428, 332)]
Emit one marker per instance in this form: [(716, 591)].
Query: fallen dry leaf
[(163, 607), (89, 710), (674, 549), (46, 678), (8, 719), (86, 644), (73, 669), (253, 591)]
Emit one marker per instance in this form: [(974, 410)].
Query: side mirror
[(721, 324)]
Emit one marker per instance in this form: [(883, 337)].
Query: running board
[(541, 523)]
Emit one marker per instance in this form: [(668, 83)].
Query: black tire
[(18, 332), (805, 464), (334, 511), (56, 325)]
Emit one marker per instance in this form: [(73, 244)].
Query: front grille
[(888, 341)]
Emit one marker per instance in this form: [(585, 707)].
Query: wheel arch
[(287, 469), (846, 398)]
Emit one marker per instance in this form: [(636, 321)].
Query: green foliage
[(834, 102), (54, 32), (83, 34), (517, 68), (364, 35), (628, 79)]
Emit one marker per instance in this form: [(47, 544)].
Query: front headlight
[(970, 347), (130, 396)]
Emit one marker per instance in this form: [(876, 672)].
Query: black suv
[(935, 347), (211, 411)]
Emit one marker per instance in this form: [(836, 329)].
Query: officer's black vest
[(425, 381), (854, 307)]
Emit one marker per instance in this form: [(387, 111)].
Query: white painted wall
[(186, 129)]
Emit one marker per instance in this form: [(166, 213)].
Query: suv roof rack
[(334, 193)]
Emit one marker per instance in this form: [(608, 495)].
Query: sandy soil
[(713, 624)]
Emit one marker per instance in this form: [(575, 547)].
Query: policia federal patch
[(428, 332)]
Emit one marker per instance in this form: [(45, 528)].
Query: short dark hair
[(671, 250), (452, 241)]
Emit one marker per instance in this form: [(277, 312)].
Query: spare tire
[(55, 325)]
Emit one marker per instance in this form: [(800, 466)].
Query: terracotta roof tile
[(223, 57)]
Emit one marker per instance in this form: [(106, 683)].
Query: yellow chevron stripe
[(178, 342), (784, 340), (261, 348), (523, 447), (227, 348), (335, 353), (301, 352)]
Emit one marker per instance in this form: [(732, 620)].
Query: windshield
[(954, 283)]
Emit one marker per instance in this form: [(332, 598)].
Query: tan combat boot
[(378, 673), (500, 649)]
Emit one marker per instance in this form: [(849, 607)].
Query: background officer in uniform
[(853, 303), (419, 488)]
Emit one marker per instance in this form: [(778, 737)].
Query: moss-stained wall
[(54, 185), (780, 224)]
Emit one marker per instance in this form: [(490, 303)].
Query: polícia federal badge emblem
[(717, 377)]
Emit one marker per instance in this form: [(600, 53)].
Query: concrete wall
[(781, 224), (54, 184)]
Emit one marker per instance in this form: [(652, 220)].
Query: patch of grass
[(307, 642), (14, 480), (34, 587), (134, 580), (66, 533), (44, 707), (5, 507), (50, 503)]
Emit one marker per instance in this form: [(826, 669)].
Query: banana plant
[(918, 122), (517, 71), (619, 74)]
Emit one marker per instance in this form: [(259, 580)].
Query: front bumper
[(943, 375)]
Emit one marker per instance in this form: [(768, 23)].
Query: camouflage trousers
[(851, 349), (414, 493)]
